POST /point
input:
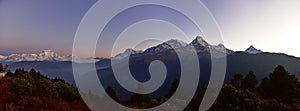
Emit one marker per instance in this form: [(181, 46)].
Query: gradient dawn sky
[(31, 26)]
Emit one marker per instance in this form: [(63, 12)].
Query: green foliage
[(197, 100), (281, 85), (278, 92), (236, 81), (233, 99), (32, 91), (249, 82), (1, 67)]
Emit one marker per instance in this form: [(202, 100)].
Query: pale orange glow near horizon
[(33, 26)]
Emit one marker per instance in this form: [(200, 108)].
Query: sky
[(34, 25)]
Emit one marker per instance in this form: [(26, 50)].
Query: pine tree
[(281, 85), (1, 67), (249, 82), (236, 81)]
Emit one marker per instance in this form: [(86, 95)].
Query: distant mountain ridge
[(198, 43), (48, 55), (45, 55), (252, 59), (253, 50)]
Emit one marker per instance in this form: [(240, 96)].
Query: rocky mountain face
[(253, 50)]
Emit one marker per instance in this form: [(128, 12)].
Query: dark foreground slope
[(32, 91)]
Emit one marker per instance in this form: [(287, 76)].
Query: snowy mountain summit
[(253, 50), (199, 41), (127, 53), (45, 55), (170, 44), (48, 54)]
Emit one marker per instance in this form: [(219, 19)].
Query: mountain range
[(48, 55), (252, 59), (45, 55)]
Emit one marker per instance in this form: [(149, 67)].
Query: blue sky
[(34, 25)]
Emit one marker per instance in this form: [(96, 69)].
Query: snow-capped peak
[(199, 41), (168, 45), (175, 43), (46, 55), (126, 53), (1, 56), (253, 50), (221, 48), (131, 51)]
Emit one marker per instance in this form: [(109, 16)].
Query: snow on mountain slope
[(221, 48), (2, 57), (253, 50), (46, 55), (126, 53), (202, 46), (199, 41), (171, 44), (176, 43)]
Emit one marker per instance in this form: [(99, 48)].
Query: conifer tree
[(249, 82)]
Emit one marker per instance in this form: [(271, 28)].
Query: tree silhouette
[(112, 93), (173, 88), (236, 81), (281, 85), (140, 100), (233, 99), (1, 67), (249, 82), (21, 92)]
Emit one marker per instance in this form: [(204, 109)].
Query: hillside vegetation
[(32, 91)]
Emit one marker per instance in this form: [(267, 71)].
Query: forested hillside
[(31, 91)]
